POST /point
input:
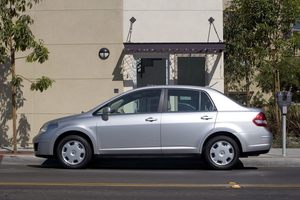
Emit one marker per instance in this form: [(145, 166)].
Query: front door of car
[(133, 126), (188, 116)]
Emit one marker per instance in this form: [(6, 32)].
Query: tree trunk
[(247, 86), (277, 110), (14, 100), (248, 92)]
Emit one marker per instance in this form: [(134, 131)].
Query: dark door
[(151, 71), (191, 71)]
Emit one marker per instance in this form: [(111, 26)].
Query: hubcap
[(221, 153), (73, 152)]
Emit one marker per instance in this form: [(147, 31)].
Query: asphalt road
[(147, 179)]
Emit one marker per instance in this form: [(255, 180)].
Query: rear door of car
[(188, 115)]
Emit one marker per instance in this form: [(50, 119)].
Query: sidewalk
[(273, 159)]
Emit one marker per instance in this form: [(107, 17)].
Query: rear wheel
[(74, 152), (221, 152)]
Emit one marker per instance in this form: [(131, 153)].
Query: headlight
[(48, 126)]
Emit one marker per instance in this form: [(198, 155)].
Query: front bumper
[(43, 146)]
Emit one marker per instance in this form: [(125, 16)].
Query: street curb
[(20, 160), (9, 159), (273, 159), (270, 162)]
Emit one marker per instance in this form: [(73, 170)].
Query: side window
[(183, 101), (206, 104), (138, 102)]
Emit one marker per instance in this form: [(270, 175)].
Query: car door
[(133, 126), (188, 116)]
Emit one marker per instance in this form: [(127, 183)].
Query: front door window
[(138, 102)]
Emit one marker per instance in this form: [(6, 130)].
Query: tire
[(74, 152), (221, 152)]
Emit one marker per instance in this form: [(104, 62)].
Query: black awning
[(174, 48)]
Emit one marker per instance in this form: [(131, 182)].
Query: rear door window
[(206, 103), (183, 101)]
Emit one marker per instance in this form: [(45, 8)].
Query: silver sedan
[(158, 120)]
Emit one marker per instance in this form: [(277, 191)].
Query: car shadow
[(152, 163)]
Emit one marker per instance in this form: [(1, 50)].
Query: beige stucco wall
[(73, 31), (179, 21), (173, 20)]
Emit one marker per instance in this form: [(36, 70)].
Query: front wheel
[(221, 152), (74, 152)]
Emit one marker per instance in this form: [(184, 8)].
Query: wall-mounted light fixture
[(103, 53)]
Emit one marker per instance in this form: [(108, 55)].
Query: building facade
[(100, 48)]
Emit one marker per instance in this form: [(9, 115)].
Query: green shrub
[(270, 112), (292, 126), (293, 120)]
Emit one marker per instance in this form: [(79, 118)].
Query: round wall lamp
[(103, 53)]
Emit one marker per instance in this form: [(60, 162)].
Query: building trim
[(174, 48)]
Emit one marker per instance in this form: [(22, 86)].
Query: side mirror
[(106, 112)]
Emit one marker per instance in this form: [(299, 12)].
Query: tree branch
[(26, 79), (17, 58)]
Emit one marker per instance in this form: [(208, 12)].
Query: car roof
[(222, 102), (173, 87), (154, 87)]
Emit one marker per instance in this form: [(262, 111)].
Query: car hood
[(69, 118)]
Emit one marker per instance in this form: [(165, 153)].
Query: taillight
[(260, 119)]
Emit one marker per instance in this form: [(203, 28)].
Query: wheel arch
[(78, 133), (222, 133)]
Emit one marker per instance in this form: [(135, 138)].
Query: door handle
[(150, 119), (206, 117)]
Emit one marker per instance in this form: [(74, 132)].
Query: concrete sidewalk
[(273, 159)]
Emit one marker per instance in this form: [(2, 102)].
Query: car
[(158, 120)]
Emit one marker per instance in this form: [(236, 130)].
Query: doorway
[(191, 71), (151, 71)]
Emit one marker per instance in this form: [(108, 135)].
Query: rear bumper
[(258, 142), (254, 153)]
